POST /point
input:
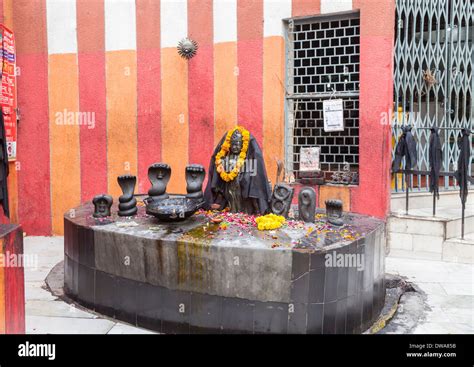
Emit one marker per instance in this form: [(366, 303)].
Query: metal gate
[(433, 80)]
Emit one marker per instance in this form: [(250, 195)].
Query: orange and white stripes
[(118, 60), (63, 105), (121, 86), (225, 66), (174, 91)]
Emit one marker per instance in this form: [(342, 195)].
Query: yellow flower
[(269, 221)]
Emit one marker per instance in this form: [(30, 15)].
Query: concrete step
[(420, 235), (459, 250), (446, 223), (418, 200), (451, 250)]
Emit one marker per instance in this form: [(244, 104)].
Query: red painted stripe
[(250, 63), (92, 96), (372, 196), (34, 202), (201, 83), (14, 285), (356, 4), (148, 88), (305, 7)]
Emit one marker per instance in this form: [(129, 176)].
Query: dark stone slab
[(149, 305), (330, 284), (71, 277), (352, 273), (125, 299), (300, 263), (206, 312), (367, 306), (342, 278), (176, 307), (315, 318), (271, 318), (237, 316), (341, 313), (317, 260), (86, 249), (317, 279), (329, 317), (86, 286), (300, 289), (172, 327), (104, 293), (353, 314), (297, 318)]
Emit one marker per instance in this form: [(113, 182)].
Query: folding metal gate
[(433, 79)]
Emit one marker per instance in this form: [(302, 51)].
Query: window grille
[(322, 63)]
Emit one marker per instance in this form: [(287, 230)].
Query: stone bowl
[(173, 209)]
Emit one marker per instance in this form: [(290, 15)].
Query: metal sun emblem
[(187, 48)]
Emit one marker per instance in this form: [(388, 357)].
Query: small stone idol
[(307, 204), (280, 202), (102, 204), (334, 212)]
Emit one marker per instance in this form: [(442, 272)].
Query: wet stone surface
[(235, 229), (277, 281)]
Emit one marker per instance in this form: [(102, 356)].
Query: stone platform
[(194, 276)]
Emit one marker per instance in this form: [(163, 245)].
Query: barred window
[(322, 61)]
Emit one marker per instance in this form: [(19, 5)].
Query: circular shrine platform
[(196, 277)]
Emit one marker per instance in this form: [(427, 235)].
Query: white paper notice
[(309, 159), (333, 115)]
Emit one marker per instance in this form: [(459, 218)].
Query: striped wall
[(113, 65)]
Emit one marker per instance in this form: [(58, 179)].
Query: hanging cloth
[(462, 175), (435, 155), (406, 147)]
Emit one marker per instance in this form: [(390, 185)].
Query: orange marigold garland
[(229, 176)]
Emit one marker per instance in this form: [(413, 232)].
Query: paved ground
[(45, 314), (449, 289)]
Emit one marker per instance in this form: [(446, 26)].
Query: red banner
[(8, 95)]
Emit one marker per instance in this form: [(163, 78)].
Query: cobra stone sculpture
[(127, 202)]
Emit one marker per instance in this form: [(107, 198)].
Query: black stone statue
[(195, 174), (334, 212), (102, 204), (249, 191), (159, 175), (280, 202), (307, 204), (128, 203)]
